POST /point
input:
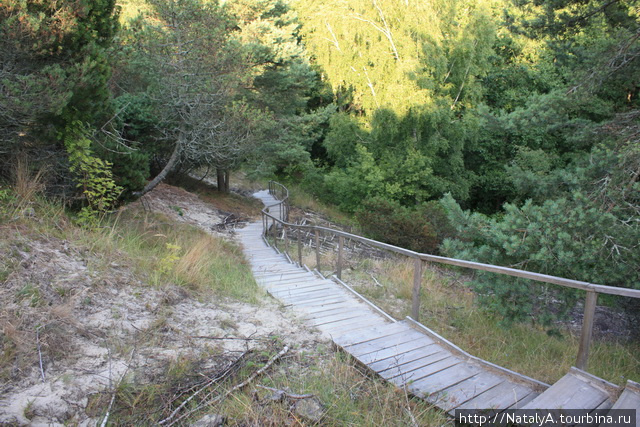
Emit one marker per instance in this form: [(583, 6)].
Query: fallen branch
[(106, 417), (205, 337), (286, 394), (39, 351), (227, 393), (375, 280), (201, 389)]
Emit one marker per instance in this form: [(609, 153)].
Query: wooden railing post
[(274, 234), (317, 250), (587, 329), (417, 282), (300, 247), (339, 267), (286, 242)]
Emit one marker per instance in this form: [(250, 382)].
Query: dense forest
[(501, 131)]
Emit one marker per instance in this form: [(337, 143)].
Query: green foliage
[(57, 65), (567, 237), (93, 175), (421, 228)]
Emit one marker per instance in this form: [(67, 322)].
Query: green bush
[(569, 237), (421, 228)]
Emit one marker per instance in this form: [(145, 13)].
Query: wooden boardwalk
[(410, 355)]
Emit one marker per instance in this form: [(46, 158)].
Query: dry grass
[(27, 184)]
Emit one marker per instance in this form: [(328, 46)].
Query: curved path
[(407, 353)]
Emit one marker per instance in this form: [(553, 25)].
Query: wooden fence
[(278, 215)]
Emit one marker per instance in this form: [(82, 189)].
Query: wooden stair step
[(454, 396), (629, 399), (498, 398), (431, 354), (408, 356), (372, 333), (576, 390)]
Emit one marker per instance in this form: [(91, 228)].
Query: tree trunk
[(173, 160), (226, 180), (221, 179)]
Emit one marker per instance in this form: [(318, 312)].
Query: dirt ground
[(93, 328)]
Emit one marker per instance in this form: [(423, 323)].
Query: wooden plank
[(411, 377), (342, 316), (498, 398), (431, 385), (374, 321), (570, 392), (320, 303), (370, 334), (404, 358), (307, 297), (316, 312), (300, 276), (365, 319), (328, 316), (393, 340), (271, 273), (394, 351), (299, 289), (630, 398), (522, 403), (275, 275), (454, 396), (434, 355), (296, 285)]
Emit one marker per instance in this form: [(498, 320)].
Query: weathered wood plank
[(287, 278), (310, 297), (269, 276), (570, 392), (497, 398), (302, 305), (424, 372), (430, 386), (347, 340), (353, 314), (313, 312), (391, 351), (404, 358), (318, 312), (454, 396), (389, 341), (337, 331), (415, 365), (300, 289), (376, 345), (363, 320), (630, 398), (295, 285)]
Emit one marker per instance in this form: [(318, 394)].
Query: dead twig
[(227, 393), (204, 337), (283, 393), (115, 386), (39, 352)]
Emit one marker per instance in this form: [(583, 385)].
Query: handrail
[(592, 289)]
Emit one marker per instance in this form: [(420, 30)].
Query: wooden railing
[(280, 223)]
